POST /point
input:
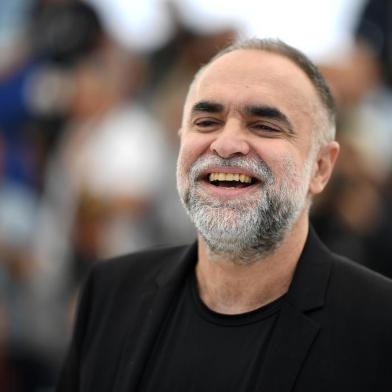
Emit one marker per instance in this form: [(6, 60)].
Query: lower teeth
[(229, 184)]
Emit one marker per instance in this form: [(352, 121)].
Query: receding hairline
[(278, 47)]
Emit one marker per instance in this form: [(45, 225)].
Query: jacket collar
[(308, 287), (175, 269)]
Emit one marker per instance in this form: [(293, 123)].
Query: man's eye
[(206, 123), (265, 128)]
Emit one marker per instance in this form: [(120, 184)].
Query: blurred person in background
[(74, 180), (25, 366), (100, 188), (21, 369), (355, 216)]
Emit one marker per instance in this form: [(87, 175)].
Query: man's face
[(247, 151)]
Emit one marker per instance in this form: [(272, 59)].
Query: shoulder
[(121, 283), (360, 292), (348, 275), (357, 319), (137, 267)]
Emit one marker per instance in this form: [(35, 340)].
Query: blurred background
[(91, 96)]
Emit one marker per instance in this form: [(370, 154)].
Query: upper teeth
[(230, 177)]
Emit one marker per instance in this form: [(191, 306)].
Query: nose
[(230, 141)]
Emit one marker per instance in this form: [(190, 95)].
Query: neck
[(232, 288)]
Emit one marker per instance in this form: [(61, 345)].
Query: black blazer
[(334, 332)]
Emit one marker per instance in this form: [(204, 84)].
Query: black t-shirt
[(199, 350)]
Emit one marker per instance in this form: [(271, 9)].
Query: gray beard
[(242, 230)]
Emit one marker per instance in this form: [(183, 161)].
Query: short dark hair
[(303, 62)]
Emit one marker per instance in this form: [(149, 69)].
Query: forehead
[(248, 76)]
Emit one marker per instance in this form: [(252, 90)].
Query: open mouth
[(230, 180)]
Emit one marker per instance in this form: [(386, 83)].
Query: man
[(258, 304)]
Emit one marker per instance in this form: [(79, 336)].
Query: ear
[(323, 167)]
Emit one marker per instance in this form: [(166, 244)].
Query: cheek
[(184, 161), (186, 157), (191, 148), (286, 165), (295, 174), (279, 155)]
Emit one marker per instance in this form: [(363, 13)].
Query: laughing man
[(258, 303)]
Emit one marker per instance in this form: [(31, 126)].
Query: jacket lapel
[(291, 340), (151, 315), (295, 330)]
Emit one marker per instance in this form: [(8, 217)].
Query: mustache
[(253, 165)]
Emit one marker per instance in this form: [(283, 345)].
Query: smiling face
[(248, 162)]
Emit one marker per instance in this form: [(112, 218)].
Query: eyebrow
[(207, 107), (269, 112), (263, 111)]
